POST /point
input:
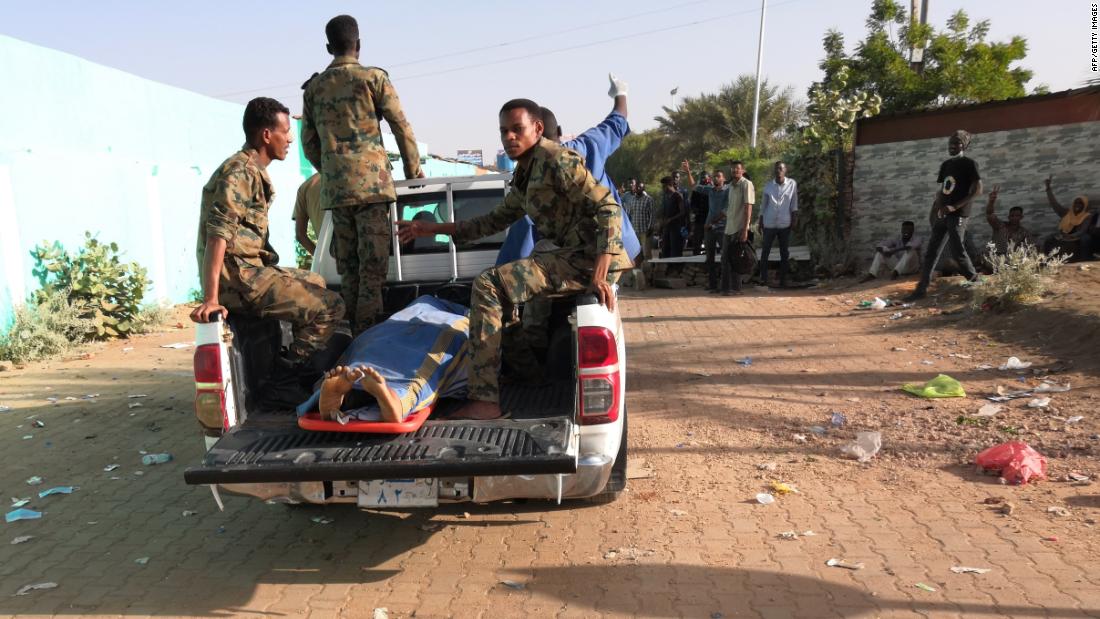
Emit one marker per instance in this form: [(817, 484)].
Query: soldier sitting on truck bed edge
[(237, 265), (577, 215)]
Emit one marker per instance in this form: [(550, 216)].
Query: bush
[(1021, 276), (150, 317), (51, 326), (107, 291)]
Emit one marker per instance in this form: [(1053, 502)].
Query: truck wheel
[(617, 482)]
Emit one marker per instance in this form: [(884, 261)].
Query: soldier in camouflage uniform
[(577, 215), (342, 138), (236, 263)]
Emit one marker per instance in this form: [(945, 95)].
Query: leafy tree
[(711, 123), (960, 65)]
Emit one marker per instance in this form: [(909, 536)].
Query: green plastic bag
[(942, 386)]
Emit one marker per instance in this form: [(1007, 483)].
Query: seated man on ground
[(577, 216), (1073, 237), (900, 254), (1006, 233), (399, 366)]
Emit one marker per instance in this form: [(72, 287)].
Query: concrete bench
[(799, 253)]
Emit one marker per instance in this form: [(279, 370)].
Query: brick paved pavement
[(689, 541)]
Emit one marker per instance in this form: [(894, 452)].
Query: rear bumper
[(592, 474)]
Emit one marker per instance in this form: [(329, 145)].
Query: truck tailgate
[(275, 452)]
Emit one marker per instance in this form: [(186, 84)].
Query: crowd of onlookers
[(713, 215)]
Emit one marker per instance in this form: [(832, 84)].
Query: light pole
[(759, 65)]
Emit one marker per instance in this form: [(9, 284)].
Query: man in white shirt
[(900, 254), (778, 216)]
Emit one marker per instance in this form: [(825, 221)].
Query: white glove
[(618, 87)]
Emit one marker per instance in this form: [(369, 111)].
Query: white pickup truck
[(565, 437)]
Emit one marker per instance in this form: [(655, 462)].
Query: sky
[(455, 63)]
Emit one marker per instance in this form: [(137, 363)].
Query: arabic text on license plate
[(399, 493)]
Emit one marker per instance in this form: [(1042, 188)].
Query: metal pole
[(759, 65)]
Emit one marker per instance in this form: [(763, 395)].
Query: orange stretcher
[(412, 423)]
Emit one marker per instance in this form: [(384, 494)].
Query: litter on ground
[(56, 490), (1014, 363), (1016, 462), (25, 589), (22, 514), (844, 564), (942, 386), (969, 570), (866, 445)]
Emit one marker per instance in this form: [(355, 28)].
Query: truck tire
[(617, 482)]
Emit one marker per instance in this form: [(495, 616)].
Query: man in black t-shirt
[(959, 183)]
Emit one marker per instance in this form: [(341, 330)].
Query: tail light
[(598, 360), (210, 388), (208, 364), (596, 347)]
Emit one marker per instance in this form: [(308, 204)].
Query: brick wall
[(897, 181)]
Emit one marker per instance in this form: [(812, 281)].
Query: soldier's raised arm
[(385, 97)]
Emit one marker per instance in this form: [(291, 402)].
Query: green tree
[(710, 123), (960, 65)]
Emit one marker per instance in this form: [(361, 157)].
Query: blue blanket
[(421, 352)]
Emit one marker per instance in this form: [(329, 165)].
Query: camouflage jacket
[(567, 205), (342, 136), (235, 202)]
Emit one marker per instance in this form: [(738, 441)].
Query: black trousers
[(731, 278), (948, 230), (672, 242), (714, 243), (770, 235)]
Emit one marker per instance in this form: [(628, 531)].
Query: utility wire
[(496, 46)]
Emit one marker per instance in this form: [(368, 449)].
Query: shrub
[(50, 326), (150, 317), (1021, 276), (107, 290)]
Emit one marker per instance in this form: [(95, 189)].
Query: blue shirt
[(595, 146), (779, 204), (716, 200)]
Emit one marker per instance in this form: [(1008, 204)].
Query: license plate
[(399, 493)]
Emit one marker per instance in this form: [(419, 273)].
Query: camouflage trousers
[(296, 296), (361, 246), (497, 291)]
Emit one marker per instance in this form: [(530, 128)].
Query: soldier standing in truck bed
[(342, 138), (238, 267)]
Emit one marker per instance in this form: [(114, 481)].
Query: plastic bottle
[(151, 459)]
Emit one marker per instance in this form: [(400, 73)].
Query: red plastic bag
[(1017, 462)]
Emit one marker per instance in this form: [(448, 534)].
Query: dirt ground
[(688, 538)]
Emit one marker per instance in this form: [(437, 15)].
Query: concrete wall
[(88, 147), (897, 181)]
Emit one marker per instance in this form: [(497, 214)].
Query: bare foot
[(478, 410), (337, 384), (374, 384)]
